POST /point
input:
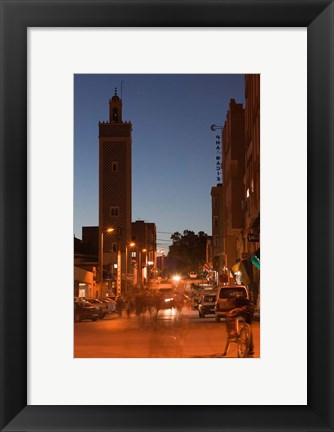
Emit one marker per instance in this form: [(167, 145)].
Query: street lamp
[(108, 230), (141, 266), (149, 263), (215, 127), (132, 244)]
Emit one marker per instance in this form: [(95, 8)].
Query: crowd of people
[(152, 301), (147, 301)]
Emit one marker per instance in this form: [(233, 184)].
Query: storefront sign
[(219, 173), (253, 237)]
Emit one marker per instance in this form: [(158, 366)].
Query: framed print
[(165, 340), (160, 404)]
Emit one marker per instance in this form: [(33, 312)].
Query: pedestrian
[(128, 306), (119, 305)]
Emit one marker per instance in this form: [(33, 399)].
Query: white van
[(193, 275), (225, 297)]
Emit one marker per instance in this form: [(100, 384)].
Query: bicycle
[(239, 332)]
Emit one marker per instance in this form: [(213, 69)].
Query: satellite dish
[(213, 127)]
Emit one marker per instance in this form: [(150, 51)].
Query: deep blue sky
[(173, 148)]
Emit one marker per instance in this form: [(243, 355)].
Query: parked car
[(85, 311), (225, 298), (79, 299), (111, 304), (103, 307), (206, 305)]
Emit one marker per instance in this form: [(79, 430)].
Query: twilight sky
[(173, 148)]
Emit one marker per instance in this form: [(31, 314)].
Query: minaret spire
[(115, 108)]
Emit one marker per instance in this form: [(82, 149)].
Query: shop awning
[(255, 258), (235, 267), (245, 268), (255, 261)]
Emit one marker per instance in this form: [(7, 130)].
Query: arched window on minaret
[(115, 109), (115, 114)]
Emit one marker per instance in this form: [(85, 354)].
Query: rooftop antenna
[(122, 90), (115, 91)]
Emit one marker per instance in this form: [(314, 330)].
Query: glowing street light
[(108, 230), (132, 244)]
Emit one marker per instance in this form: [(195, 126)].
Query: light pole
[(141, 266), (126, 265), (148, 280), (109, 230), (162, 257)]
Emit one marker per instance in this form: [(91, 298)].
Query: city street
[(169, 335)]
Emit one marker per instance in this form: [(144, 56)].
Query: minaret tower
[(115, 193)]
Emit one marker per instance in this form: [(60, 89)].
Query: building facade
[(251, 204), (85, 264), (144, 256), (218, 258), (115, 200), (233, 148)]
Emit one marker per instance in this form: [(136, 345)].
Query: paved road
[(169, 335)]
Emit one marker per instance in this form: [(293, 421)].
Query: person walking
[(129, 306), (119, 305)]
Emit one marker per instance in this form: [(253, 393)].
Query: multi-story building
[(237, 219), (251, 204), (144, 235), (90, 246), (233, 135), (90, 240), (85, 263), (115, 147)]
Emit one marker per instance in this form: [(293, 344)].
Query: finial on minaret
[(115, 91)]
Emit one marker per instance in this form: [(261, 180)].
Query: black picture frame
[(16, 17)]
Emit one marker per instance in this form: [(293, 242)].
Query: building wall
[(218, 231), (240, 211), (234, 167), (84, 283), (145, 236), (90, 239), (252, 162)]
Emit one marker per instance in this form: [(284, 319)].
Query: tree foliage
[(188, 250)]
